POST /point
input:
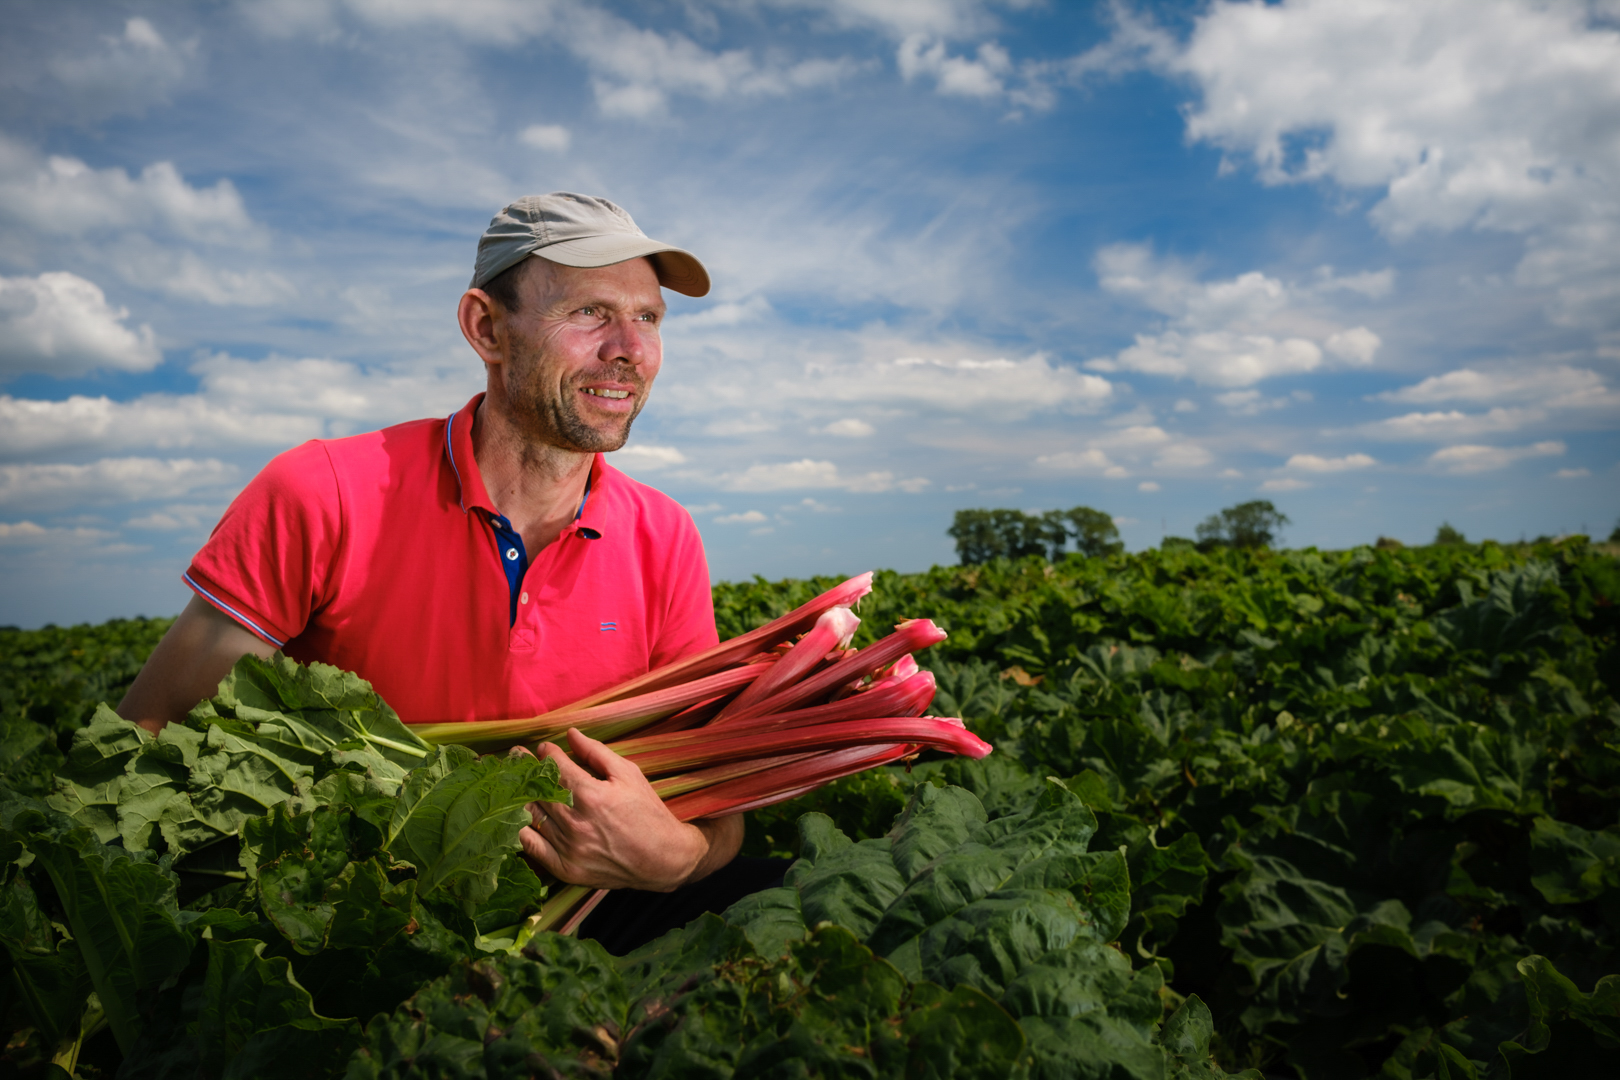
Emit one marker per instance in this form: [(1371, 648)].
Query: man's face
[(583, 350)]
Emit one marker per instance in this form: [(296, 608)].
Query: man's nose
[(627, 340)]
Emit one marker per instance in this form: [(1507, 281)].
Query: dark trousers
[(626, 919)]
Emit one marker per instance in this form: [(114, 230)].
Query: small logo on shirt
[(609, 626)]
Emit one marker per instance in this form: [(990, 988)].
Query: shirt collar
[(458, 450)]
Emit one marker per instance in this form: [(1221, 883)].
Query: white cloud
[(1184, 405), (645, 457), (110, 480), (1469, 458), (808, 473), (1518, 384), (1285, 483), (125, 74), (550, 137), (1452, 424), (195, 517), (1110, 453), (60, 324), (1092, 462), (849, 428), (63, 196), (1489, 114), (1572, 474), (1313, 463), (29, 534), (1147, 485), (1001, 387), (1249, 402), (1233, 332), (749, 517)]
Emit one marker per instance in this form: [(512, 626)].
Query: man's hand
[(619, 834), (197, 651)]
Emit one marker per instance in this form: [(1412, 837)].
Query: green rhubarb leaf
[(89, 787), (258, 1021), (1570, 865), (294, 882), (771, 918), (518, 894), (979, 857), (841, 881), (960, 1035), (309, 709), (46, 969), (1186, 1040), (458, 817), (123, 913)]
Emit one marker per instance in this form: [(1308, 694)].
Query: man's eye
[(587, 311)]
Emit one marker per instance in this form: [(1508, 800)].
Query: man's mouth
[(614, 394)]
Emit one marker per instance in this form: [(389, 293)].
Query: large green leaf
[(459, 817)]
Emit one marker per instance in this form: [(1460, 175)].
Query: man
[(490, 565)]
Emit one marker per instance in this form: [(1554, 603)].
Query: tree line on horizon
[(982, 535)]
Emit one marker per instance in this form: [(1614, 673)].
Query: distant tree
[(982, 535), (1094, 532), (1247, 525), (1177, 543), (1614, 537), (1388, 543), (1447, 535)]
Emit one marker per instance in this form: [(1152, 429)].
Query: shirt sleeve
[(689, 617), (268, 561)]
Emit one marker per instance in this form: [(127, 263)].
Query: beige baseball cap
[(579, 230)]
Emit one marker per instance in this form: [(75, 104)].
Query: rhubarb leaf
[(46, 968), (459, 816)]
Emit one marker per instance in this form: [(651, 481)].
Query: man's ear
[(479, 316)]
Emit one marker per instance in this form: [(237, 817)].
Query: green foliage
[(983, 535), (1446, 534), (1322, 814), (1249, 525)]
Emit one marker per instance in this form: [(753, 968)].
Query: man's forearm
[(725, 837)]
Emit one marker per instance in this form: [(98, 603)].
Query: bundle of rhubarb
[(764, 717)]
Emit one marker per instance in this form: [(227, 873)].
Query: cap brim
[(676, 269)]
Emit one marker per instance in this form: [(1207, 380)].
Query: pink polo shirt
[(376, 553)]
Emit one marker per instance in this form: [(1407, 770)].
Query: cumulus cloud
[(1234, 332), (748, 517), (1488, 114), (1316, 464), (62, 196), (121, 74), (1519, 384), (110, 480), (849, 428), (1113, 454), (807, 473), (1005, 387), (274, 402), (30, 534), (60, 324), (1471, 458), (644, 457), (1285, 483), (550, 137)]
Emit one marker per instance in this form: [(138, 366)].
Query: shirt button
[(511, 553), (524, 599)]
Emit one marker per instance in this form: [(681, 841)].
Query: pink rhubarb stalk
[(738, 649), (833, 630), (607, 721), (695, 753), (908, 637), (904, 699), (766, 789)]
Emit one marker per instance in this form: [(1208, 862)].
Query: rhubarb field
[(1316, 814)]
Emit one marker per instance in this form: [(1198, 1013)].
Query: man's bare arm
[(203, 644)]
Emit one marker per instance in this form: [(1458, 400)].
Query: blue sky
[(1361, 258)]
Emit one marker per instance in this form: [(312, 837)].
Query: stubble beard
[(554, 419)]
